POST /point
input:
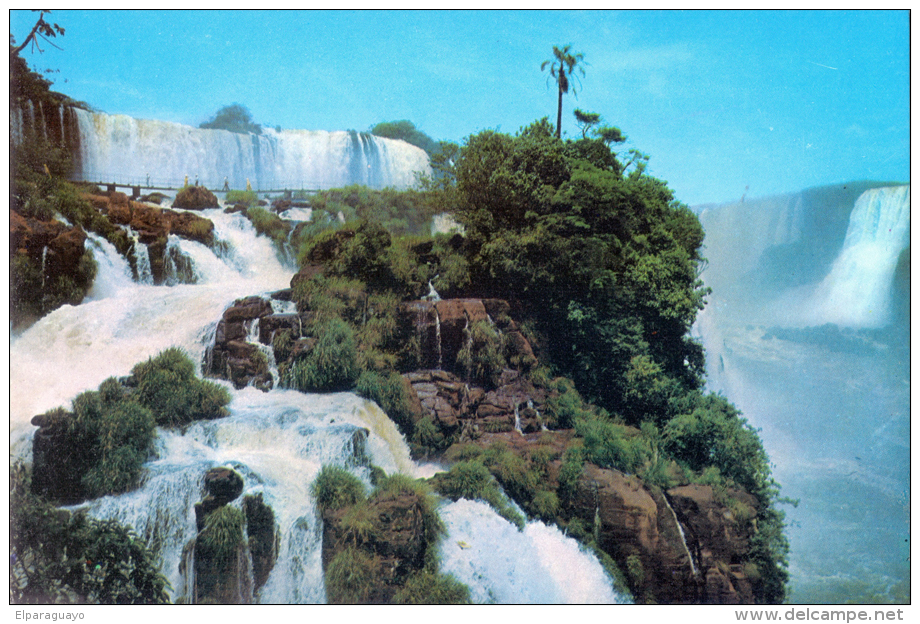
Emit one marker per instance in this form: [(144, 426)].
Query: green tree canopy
[(605, 264), (235, 118), (405, 130)]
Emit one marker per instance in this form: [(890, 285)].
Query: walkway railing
[(153, 183)]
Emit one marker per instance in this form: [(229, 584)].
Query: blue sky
[(721, 101)]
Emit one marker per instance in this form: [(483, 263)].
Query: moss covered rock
[(195, 198)]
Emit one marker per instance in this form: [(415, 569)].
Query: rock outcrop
[(393, 547), (46, 266), (153, 227), (231, 564), (195, 198)]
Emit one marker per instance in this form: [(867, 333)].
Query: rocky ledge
[(685, 544)]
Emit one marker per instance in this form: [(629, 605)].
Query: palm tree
[(560, 69)]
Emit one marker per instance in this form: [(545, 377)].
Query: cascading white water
[(503, 565), (857, 291), (127, 150), (277, 441)]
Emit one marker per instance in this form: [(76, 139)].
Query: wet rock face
[(232, 357), (153, 226), (232, 574)]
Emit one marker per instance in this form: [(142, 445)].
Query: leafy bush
[(389, 391), (335, 488), (167, 386), (481, 356), (611, 445), (61, 557), (399, 484), (250, 198), (332, 364), (427, 587), (473, 481), (222, 534), (350, 577)]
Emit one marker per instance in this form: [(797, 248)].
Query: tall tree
[(561, 67)]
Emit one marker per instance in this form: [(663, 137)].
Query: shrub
[(269, 224), (332, 364), (427, 587), (389, 391), (545, 505), (473, 481), (610, 445), (513, 472), (61, 557), (223, 532), (398, 484), (335, 488), (250, 198), (167, 385), (350, 577), (481, 356)]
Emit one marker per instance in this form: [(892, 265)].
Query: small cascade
[(113, 272), (178, 266), (143, 269), (539, 417), (44, 263), (500, 564), (517, 417), (437, 330), (432, 293), (683, 537)]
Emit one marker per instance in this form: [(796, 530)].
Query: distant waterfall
[(857, 291), (127, 150)]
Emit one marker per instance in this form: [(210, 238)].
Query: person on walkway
[(196, 179), (226, 184), (248, 185), (148, 180), (186, 180)]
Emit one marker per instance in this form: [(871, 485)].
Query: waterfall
[(277, 441), (857, 291), (683, 536), (503, 565), (807, 336), (122, 149)]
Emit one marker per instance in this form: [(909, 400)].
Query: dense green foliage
[(433, 589), (222, 534), (335, 488), (61, 557), (167, 386), (405, 130), (472, 480), (113, 435), (606, 261), (109, 434), (400, 212), (332, 365), (235, 118)]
